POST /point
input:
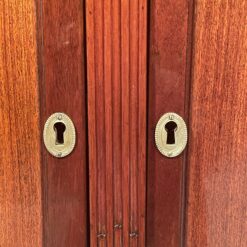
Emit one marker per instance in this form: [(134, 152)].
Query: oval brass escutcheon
[(59, 135), (171, 135)]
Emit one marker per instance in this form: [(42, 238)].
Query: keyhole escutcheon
[(171, 134), (59, 135), (170, 128), (59, 129)]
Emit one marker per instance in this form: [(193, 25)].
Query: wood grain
[(116, 58), (62, 79), (169, 66), (218, 151), (20, 178)]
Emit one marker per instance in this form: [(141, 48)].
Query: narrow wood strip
[(108, 66), (92, 121), (117, 134), (20, 175), (133, 122), (125, 90), (100, 83), (62, 75), (142, 121), (169, 22)]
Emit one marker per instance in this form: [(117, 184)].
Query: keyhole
[(59, 128), (170, 128)]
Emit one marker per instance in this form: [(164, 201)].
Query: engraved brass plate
[(59, 135), (171, 135)]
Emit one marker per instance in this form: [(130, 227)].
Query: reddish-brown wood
[(218, 150), (117, 102), (20, 178), (62, 78), (116, 56), (169, 63)]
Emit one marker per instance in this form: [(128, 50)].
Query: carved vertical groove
[(116, 57)]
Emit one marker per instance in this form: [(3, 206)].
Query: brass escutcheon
[(171, 135), (59, 135)]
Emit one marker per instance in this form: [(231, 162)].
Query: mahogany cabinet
[(115, 67)]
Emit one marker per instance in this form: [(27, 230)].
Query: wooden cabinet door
[(115, 67), (197, 68)]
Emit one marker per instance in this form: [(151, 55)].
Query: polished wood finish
[(62, 80), (57, 214), (169, 69), (20, 183), (116, 57), (218, 150)]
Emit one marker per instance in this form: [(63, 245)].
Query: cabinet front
[(122, 123)]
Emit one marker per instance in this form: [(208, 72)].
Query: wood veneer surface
[(62, 89), (217, 191), (116, 56), (169, 71), (20, 177)]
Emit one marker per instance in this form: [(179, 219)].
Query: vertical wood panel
[(117, 133), (116, 54), (218, 150), (169, 67), (20, 178), (142, 121), (62, 77)]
